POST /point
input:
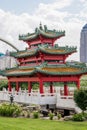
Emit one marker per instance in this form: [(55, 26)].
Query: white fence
[(60, 101), (29, 98)]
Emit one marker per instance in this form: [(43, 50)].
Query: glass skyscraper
[(83, 44)]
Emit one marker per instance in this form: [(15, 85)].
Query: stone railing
[(32, 98)]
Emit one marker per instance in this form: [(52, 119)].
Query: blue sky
[(29, 6), (23, 16), (20, 6)]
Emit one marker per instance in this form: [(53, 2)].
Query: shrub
[(51, 115), (25, 113), (3, 84), (59, 115), (78, 117), (35, 114), (85, 115), (9, 110), (80, 98)]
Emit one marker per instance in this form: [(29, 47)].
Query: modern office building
[(83, 44), (6, 61)]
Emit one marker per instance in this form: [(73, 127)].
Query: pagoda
[(43, 61)]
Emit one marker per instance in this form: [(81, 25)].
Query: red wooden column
[(9, 86), (29, 87), (78, 84), (51, 87), (41, 87), (65, 89), (17, 86)]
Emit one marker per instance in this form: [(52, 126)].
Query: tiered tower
[(43, 61)]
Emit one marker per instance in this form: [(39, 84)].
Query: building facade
[(83, 44)]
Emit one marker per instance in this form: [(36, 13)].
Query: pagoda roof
[(42, 31), (45, 49), (18, 71), (73, 68), (24, 53), (64, 69), (57, 49)]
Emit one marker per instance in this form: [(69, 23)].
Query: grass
[(39, 124)]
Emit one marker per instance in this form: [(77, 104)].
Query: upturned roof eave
[(16, 55), (6, 71), (39, 70), (48, 34), (61, 73), (69, 51)]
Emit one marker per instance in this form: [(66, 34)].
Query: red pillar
[(78, 84), (9, 86), (17, 86), (51, 87), (65, 89), (41, 87), (29, 87)]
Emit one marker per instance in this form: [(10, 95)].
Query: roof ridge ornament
[(44, 64), (40, 26), (45, 28)]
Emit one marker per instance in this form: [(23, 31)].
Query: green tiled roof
[(43, 31), (18, 71), (24, 53), (57, 49), (45, 49), (64, 69)]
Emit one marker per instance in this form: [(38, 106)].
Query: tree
[(3, 84), (80, 98)]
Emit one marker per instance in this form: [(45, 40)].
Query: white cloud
[(83, 1), (55, 5)]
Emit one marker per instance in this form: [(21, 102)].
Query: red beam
[(60, 79), (24, 79), (44, 79)]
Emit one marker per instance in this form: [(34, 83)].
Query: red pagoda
[(43, 61)]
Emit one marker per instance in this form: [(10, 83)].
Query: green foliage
[(35, 85), (39, 124), (51, 115), (60, 84), (3, 84), (25, 113), (13, 84), (9, 110), (80, 97), (24, 85), (35, 114), (78, 117), (83, 83), (59, 115)]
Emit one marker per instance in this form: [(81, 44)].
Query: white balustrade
[(35, 97), (24, 97)]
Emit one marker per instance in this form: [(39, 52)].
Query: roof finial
[(40, 26), (45, 28)]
